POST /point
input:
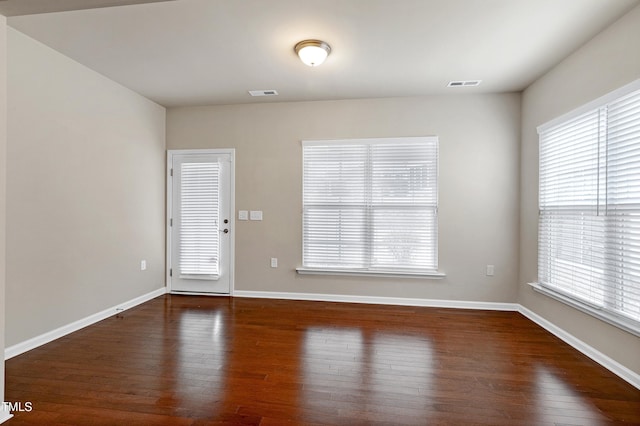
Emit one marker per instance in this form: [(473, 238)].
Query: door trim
[(232, 219)]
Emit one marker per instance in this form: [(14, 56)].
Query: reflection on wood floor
[(186, 360)]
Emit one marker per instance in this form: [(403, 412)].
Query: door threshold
[(195, 293)]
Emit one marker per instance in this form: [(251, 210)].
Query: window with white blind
[(371, 206), (199, 220), (589, 196)]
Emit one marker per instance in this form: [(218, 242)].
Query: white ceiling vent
[(263, 92), (464, 83)]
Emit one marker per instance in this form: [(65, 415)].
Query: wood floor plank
[(186, 360)]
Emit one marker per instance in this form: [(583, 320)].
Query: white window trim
[(595, 104), (424, 274), (627, 324), (357, 273)]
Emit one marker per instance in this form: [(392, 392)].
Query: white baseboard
[(42, 339), (431, 303), (4, 416), (615, 367)]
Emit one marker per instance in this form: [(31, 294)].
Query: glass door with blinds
[(200, 221)]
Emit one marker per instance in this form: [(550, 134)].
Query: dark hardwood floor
[(183, 360)]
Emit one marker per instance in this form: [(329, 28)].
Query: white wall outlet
[(490, 270), (143, 265), (274, 262), (243, 215), (255, 215)]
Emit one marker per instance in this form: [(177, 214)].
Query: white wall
[(85, 191), (479, 151), (609, 61)]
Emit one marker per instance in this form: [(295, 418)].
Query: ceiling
[(27, 7), (207, 52)]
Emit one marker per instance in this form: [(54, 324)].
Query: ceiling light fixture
[(312, 52)]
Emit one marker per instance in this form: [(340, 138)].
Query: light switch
[(255, 215), (274, 262), (243, 215), (143, 265)]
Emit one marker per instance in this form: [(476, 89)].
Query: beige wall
[(3, 174), (479, 151), (85, 192), (609, 61)]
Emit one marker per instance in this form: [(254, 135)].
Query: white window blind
[(589, 224), (199, 207), (371, 204)]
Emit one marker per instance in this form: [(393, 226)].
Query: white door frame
[(232, 207)]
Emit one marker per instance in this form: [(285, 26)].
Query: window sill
[(627, 325), (357, 273)]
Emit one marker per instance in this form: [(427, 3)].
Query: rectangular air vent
[(464, 83), (263, 92)]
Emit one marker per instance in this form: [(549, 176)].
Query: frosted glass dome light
[(312, 52)]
